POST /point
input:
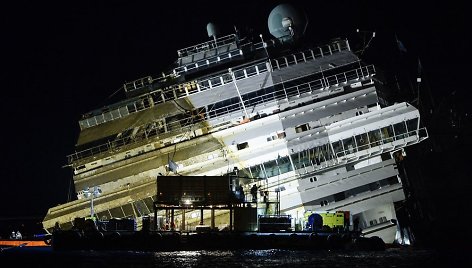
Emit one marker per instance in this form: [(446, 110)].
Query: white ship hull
[(297, 125)]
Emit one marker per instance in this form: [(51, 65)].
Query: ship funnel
[(212, 30)]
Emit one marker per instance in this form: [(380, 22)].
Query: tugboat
[(17, 240), (306, 124)]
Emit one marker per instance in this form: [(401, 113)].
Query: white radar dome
[(212, 30), (285, 22)]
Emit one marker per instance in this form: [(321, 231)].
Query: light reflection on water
[(284, 258), (397, 257)]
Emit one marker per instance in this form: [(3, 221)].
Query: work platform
[(180, 194)]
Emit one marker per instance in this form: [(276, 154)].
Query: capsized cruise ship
[(307, 123)]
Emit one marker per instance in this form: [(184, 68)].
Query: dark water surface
[(394, 257)]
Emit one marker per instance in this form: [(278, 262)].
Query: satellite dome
[(212, 30), (285, 22)]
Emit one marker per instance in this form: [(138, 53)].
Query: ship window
[(262, 67), (169, 95), (227, 78), (149, 203), (245, 172), (243, 145), (117, 212), (271, 168), (204, 85), (115, 114), (128, 210), (400, 130), (100, 119), (180, 92), (276, 136), (302, 128), (251, 71), (350, 167), (374, 138), (338, 148), (373, 222), (239, 74), (108, 116), (284, 164), (362, 142), (215, 81), (387, 134), (80, 167), (349, 145), (412, 126), (141, 208), (258, 172)]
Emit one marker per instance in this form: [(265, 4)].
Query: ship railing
[(205, 46), (169, 94), (222, 113), (309, 54), (374, 147), (259, 68), (310, 87), (364, 145), (314, 86), (332, 155), (193, 87), (137, 84), (225, 53), (307, 166), (360, 151), (195, 65)]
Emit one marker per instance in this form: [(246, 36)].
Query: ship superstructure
[(304, 122)]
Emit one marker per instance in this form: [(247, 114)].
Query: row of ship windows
[(182, 90), (337, 197), (318, 155), (381, 220), (178, 121), (224, 107), (170, 94), (314, 157)]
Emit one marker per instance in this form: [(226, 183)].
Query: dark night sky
[(60, 60)]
